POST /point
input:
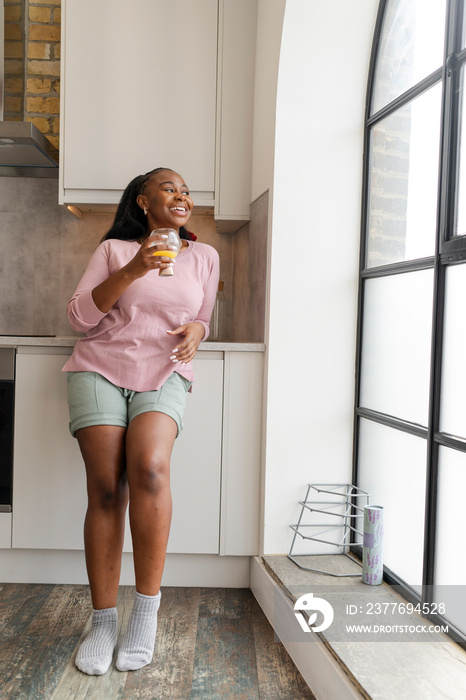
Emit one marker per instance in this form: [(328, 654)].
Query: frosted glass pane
[(392, 468), (403, 182), (450, 562), (397, 325), (411, 47), (460, 228), (453, 396)]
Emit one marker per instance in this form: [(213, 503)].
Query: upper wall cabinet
[(139, 92), (235, 106), (152, 83)]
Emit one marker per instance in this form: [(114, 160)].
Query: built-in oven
[(7, 399)]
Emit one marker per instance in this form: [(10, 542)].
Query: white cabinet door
[(49, 486), (196, 462), (235, 105), (49, 491), (138, 92), (5, 530), (242, 443)]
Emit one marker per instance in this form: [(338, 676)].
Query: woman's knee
[(150, 476), (108, 494)]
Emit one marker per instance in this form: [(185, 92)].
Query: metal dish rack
[(344, 513)]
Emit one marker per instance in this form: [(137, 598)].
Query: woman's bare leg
[(149, 443), (149, 446), (103, 450)]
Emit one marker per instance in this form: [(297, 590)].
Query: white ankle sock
[(96, 652), (137, 649)]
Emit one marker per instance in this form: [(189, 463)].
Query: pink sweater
[(129, 345)]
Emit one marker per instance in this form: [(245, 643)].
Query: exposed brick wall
[(14, 60), (32, 64), (43, 67)]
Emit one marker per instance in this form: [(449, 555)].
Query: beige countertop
[(70, 341)]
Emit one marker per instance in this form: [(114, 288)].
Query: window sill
[(392, 666)]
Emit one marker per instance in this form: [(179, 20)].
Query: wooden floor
[(212, 643)]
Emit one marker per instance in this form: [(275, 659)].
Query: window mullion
[(450, 137), (446, 214)]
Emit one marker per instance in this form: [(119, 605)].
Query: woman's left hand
[(192, 334)]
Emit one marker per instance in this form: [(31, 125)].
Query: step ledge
[(334, 667)]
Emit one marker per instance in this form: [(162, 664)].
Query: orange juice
[(166, 253)]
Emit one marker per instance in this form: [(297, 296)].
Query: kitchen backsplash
[(250, 275), (44, 250)]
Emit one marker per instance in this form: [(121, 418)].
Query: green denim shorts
[(93, 400)]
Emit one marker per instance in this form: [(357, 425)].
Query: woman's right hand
[(145, 260), (108, 292)]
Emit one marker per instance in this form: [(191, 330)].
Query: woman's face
[(166, 197)]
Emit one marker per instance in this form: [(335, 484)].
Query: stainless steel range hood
[(25, 152)]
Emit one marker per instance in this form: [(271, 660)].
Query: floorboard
[(275, 668), (212, 644), (225, 665)]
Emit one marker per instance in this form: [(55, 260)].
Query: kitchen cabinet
[(242, 444), (138, 92), (49, 493), (235, 108), (158, 84), (5, 530), (196, 462)]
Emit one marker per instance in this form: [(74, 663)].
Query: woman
[(127, 383)]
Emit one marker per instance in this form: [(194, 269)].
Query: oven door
[(7, 394)]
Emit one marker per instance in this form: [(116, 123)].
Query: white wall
[(315, 229)]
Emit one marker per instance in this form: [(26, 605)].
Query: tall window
[(410, 414)]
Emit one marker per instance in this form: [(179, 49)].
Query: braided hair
[(130, 223)]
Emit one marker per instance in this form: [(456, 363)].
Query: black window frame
[(450, 249)]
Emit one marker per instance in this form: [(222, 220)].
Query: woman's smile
[(179, 210)]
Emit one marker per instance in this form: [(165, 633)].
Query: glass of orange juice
[(168, 247)]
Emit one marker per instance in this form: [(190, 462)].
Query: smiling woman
[(166, 202), (127, 384), (140, 211)]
